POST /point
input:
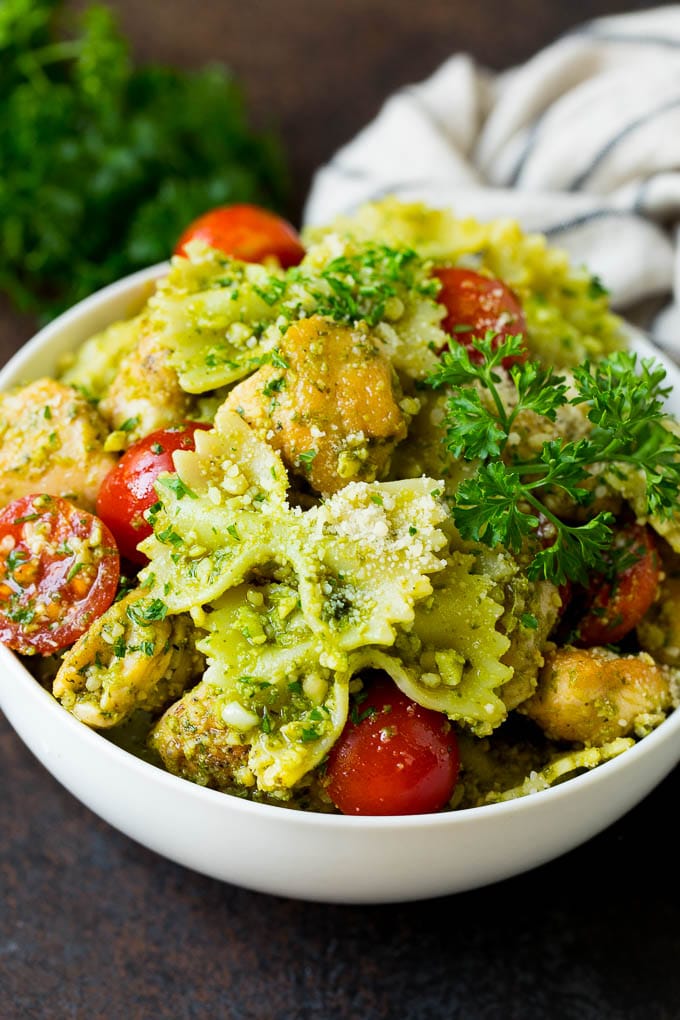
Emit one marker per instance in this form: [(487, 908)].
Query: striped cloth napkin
[(581, 143)]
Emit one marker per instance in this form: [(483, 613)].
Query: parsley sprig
[(504, 502)]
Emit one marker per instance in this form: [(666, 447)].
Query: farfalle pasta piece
[(218, 515), (132, 657), (268, 687), (211, 311), (450, 659), (361, 559), (377, 543)]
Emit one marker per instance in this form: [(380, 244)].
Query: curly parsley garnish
[(503, 503)]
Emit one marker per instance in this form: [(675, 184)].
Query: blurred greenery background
[(121, 122)]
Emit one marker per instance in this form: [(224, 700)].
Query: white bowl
[(327, 858)]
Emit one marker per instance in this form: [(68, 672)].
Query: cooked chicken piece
[(145, 394), (195, 743), (591, 695), (333, 413), (127, 660), (51, 441)]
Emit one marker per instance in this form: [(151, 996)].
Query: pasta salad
[(382, 519)]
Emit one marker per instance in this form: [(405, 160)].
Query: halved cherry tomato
[(245, 232), (475, 304), (616, 607), (59, 570), (128, 489), (396, 758)]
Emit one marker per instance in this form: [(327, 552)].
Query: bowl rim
[(10, 374), (228, 802)]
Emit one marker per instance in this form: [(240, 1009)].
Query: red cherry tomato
[(475, 304), (616, 607), (128, 489), (245, 232), (398, 759), (59, 570)]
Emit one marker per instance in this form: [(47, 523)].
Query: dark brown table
[(94, 926)]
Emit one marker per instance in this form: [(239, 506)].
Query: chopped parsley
[(176, 486), (147, 611), (75, 569), (22, 614), (277, 359), (119, 647), (273, 292), (169, 536), (306, 459), (308, 734), (360, 286), (274, 386), (15, 557), (596, 289), (356, 715)]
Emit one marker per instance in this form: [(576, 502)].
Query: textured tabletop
[(94, 926)]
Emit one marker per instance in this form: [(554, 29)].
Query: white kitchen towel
[(581, 143)]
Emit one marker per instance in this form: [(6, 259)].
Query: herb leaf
[(147, 611), (482, 427)]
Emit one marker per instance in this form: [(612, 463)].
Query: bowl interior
[(315, 855)]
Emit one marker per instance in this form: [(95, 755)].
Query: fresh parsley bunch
[(103, 164), (503, 503)]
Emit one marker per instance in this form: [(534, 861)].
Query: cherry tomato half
[(475, 304), (59, 570), (397, 759), (128, 489), (245, 232), (616, 607)]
